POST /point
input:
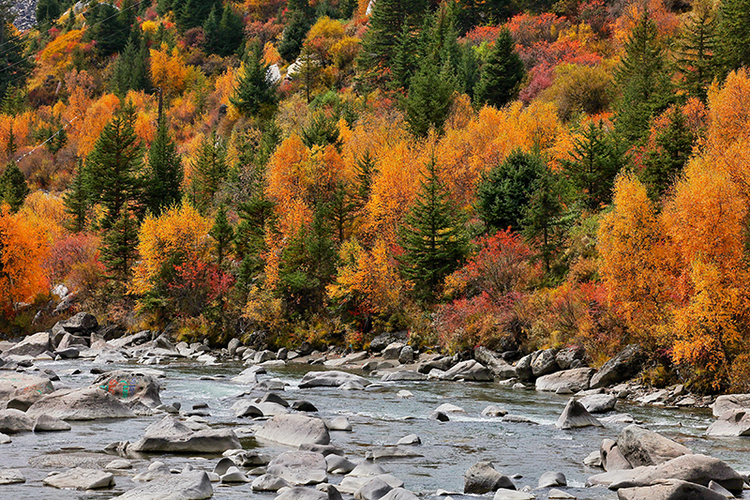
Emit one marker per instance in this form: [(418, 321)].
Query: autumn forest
[(516, 174)]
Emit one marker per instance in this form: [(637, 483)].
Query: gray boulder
[(268, 482), (189, 485), (81, 479), (393, 350), (494, 411), (544, 362), (499, 368), (33, 345), (15, 384), (13, 421), (502, 494), (130, 385), (406, 356), (336, 464), (732, 423), (598, 403), (80, 404), (730, 402), (233, 475), (611, 458), (402, 375), (339, 424), (469, 370), (301, 493), (82, 322), (331, 378), (374, 489), (641, 446), (670, 489), (620, 368), (523, 368), (569, 357), (570, 381), (399, 494), (299, 467), (71, 341), (294, 430), (442, 363), (552, 479), (575, 415), (169, 435), (46, 423), (11, 476), (482, 477)]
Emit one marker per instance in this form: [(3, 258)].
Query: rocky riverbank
[(278, 443)]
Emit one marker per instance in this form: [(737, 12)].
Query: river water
[(377, 418)]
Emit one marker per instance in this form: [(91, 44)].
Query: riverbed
[(524, 450)]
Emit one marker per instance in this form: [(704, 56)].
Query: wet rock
[(171, 436), (572, 381), (130, 385), (469, 370), (732, 423), (156, 470), (641, 446), (300, 493), (503, 494), (482, 477), (234, 475), (331, 378), (268, 482), (593, 460), (499, 368), (611, 458), (494, 411), (730, 402), (550, 479), (13, 421), (404, 394), (189, 485), (271, 409), (339, 424), (619, 418), (119, 464), (402, 375), (81, 479), (698, 469), (323, 449), (294, 430), (598, 403), (544, 362), (555, 494), (223, 466), (386, 452), (671, 489), (46, 423), (338, 465), (575, 415), (11, 476), (246, 409), (517, 419), (80, 404), (399, 494), (33, 345), (305, 406), (410, 440), (299, 467), (620, 368)]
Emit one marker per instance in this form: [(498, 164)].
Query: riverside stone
[(16, 384), (641, 446), (13, 421), (598, 403), (730, 402), (294, 430), (499, 368), (80, 404), (331, 378), (299, 467), (188, 485), (81, 479), (732, 423), (611, 458), (469, 370), (575, 415), (552, 478), (671, 489), (269, 482), (623, 366), (47, 423), (482, 477), (172, 436), (11, 476), (573, 380), (130, 385), (301, 493), (544, 362)]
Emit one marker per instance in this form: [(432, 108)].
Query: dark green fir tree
[(223, 31), (430, 98), (543, 220), (696, 50), (211, 169), (222, 234), (673, 148), (164, 174), (130, 70), (734, 31), (434, 239), (13, 187), (255, 94), (502, 74), (76, 200)]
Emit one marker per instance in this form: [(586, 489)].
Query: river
[(377, 418)]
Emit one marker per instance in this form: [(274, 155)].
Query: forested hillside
[(513, 174)]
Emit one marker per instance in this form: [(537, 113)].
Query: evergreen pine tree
[(113, 166), (674, 145), (405, 58), (696, 48), (222, 233), (502, 74), (594, 163), (210, 169), (255, 94), (193, 13), (108, 29), (13, 187), (734, 29), (223, 31), (164, 174), (76, 200), (119, 245), (322, 131), (542, 217), (433, 238), (11, 147), (14, 66), (506, 189), (430, 99), (644, 80), (130, 70), (298, 24), (47, 12)]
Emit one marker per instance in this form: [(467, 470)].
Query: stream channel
[(377, 418)]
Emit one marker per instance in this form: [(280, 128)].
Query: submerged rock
[(299, 467)]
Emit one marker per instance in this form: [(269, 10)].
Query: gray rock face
[(399, 494), (550, 479), (611, 458), (571, 381), (338, 465), (641, 446), (299, 467), (11, 476), (404, 375), (469, 370), (81, 479), (730, 402), (570, 356), (406, 355), (71, 341), (192, 485), (16, 384), (482, 478), (13, 421), (575, 415), (268, 482), (544, 362), (374, 489), (300, 493), (523, 368), (698, 469), (294, 430), (80, 404), (331, 378), (381, 341), (499, 368), (442, 363), (598, 403), (393, 350), (620, 368), (732, 423), (130, 386), (33, 345), (82, 322), (171, 436), (46, 423), (672, 489)]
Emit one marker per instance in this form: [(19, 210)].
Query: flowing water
[(377, 418)]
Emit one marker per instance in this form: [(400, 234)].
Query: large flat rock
[(294, 430), (15, 384), (169, 435), (570, 381), (80, 404), (193, 485)]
